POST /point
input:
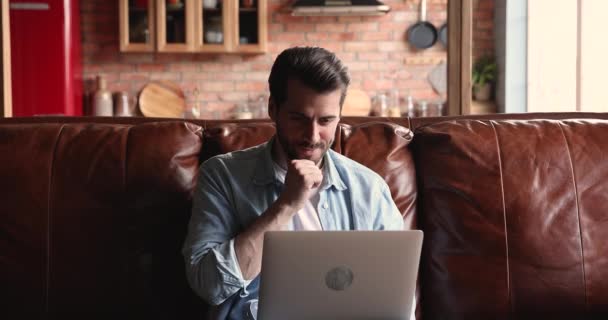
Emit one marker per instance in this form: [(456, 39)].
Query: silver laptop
[(339, 274)]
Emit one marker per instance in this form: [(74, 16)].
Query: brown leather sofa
[(514, 209)]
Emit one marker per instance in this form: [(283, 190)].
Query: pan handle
[(423, 10)]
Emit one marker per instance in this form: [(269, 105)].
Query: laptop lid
[(339, 274)]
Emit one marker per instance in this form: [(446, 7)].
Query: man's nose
[(312, 132)]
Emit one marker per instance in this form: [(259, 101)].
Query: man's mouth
[(311, 146), (307, 149)]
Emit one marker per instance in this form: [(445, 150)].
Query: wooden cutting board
[(163, 99)]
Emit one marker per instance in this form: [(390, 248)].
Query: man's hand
[(302, 177)]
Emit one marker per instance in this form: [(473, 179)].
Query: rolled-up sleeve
[(212, 268)]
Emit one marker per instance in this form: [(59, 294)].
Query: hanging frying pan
[(443, 34), (422, 35)]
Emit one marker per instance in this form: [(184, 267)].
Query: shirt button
[(325, 205)]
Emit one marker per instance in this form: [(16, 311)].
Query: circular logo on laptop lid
[(339, 278)]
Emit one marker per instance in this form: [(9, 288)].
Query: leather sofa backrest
[(515, 215), (93, 217), (514, 211)]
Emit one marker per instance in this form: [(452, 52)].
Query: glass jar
[(380, 106), (423, 109), (242, 111), (123, 107), (209, 4), (438, 109), (214, 32)]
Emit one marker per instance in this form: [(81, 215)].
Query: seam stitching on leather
[(578, 211), (48, 219), (504, 211)]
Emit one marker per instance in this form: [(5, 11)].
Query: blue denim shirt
[(235, 188)]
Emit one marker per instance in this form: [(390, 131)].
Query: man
[(292, 182)]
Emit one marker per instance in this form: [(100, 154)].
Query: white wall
[(594, 56), (567, 55), (552, 55)]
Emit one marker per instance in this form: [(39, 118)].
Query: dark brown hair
[(317, 68)]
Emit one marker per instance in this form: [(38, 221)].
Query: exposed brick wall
[(374, 49), (483, 28)]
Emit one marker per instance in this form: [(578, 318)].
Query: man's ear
[(272, 109)]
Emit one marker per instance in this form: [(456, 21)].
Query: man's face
[(306, 122)]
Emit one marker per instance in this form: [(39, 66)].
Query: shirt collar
[(333, 176), (265, 174)]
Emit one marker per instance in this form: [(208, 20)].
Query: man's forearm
[(248, 244)]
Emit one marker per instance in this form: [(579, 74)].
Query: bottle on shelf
[(410, 109), (423, 109), (394, 109), (380, 106), (102, 99)]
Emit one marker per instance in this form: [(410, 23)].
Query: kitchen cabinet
[(214, 26), (136, 25)]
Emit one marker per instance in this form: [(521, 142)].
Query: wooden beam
[(460, 25)]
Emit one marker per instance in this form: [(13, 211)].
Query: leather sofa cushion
[(27, 156), (94, 216), (515, 218)]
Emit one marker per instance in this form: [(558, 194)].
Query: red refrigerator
[(46, 58)]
